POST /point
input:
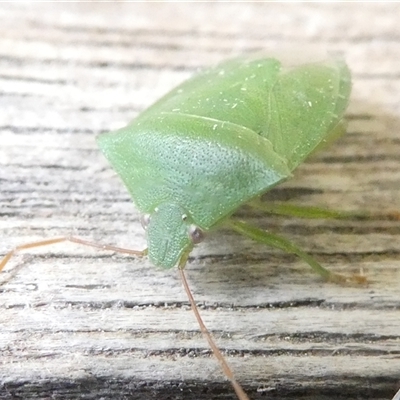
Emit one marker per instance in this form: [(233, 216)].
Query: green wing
[(295, 107)]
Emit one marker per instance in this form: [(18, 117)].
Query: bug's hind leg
[(281, 243), (71, 239), (293, 210)]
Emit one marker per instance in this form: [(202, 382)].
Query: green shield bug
[(220, 140), (216, 142)]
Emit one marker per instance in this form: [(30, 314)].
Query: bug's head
[(171, 233)]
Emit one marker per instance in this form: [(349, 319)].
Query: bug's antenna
[(225, 367)]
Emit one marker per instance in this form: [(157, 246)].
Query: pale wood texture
[(80, 323)]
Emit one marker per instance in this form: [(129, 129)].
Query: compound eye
[(145, 220), (196, 234)]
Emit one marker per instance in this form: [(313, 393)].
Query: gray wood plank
[(81, 323)]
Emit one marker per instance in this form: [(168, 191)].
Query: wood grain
[(81, 323)]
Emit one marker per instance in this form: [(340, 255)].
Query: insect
[(216, 142)]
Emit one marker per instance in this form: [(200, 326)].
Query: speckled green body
[(222, 138)]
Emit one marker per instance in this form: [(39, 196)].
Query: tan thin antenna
[(221, 359)]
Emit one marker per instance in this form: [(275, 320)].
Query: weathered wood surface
[(79, 323)]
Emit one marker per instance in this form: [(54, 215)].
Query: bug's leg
[(286, 245), (292, 210), (216, 351), (71, 239)]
